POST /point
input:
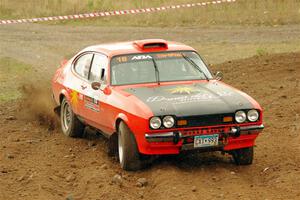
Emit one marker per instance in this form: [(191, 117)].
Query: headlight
[(168, 121), (252, 115), (155, 122), (240, 116)]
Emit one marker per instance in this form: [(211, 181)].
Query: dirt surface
[(38, 162)]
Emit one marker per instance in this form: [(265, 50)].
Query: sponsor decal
[(74, 98), (122, 59), (91, 103), (141, 57), (169, 55), (205, 131), (188, 98), (149, 56), (184, 90)]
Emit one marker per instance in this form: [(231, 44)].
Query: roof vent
[(151, 44)]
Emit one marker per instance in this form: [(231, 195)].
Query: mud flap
[(57, 110)]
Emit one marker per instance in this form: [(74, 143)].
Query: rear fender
[(63, 62), (63, 94)]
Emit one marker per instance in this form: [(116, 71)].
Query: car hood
[(201, 98)]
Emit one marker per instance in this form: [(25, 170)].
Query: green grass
[(253, 12), (11, 74), (261, 51)]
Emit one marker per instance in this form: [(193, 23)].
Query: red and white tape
[(112, 13)]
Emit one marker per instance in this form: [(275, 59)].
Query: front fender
[(121, 117), (137, 125)]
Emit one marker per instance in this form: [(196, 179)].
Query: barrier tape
[(112, 13)]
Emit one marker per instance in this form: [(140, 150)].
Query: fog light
[(233, 130)]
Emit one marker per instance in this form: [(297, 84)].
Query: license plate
[(206, 140)]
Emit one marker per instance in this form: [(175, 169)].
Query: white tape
[(112, 13)]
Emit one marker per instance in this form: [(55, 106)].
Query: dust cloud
[(37, 103)]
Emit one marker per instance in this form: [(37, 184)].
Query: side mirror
[(96, 85), (219, 76)]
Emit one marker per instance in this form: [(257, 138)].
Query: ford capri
[(154, 97)]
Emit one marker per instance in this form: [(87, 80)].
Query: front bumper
[(175, 136), (233, 138)]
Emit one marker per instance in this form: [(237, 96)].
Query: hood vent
[(151, 44)]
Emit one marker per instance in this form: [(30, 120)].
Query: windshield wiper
[(194, 65), (156, 71)]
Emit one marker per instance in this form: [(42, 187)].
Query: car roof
[(138, 46)]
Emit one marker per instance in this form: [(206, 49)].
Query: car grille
[(206, 120)]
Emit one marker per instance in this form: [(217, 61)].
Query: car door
[(94, 100), (78, 82)]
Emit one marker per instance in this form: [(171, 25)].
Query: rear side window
[(82, 65), (99, 68)]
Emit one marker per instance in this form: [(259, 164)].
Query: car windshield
[(158, 67)]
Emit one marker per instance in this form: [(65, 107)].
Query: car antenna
[(156, 71)]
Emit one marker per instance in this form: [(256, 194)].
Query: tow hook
[(176, 137)]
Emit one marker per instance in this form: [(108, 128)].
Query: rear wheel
[(243, 156), (129, 156), (112, 145), (70, 124)]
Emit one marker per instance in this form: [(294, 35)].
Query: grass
[(252, 12), (261, 51), (11, 72)]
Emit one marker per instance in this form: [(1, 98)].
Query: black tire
[(243, 156), (70, 124), (112, 145), (129, 156)]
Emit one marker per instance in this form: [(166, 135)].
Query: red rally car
[(154, 97)]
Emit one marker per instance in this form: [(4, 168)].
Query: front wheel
[(129, 156), (70, 124), (243, 156)]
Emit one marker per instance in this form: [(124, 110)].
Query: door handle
[(83, 87)]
